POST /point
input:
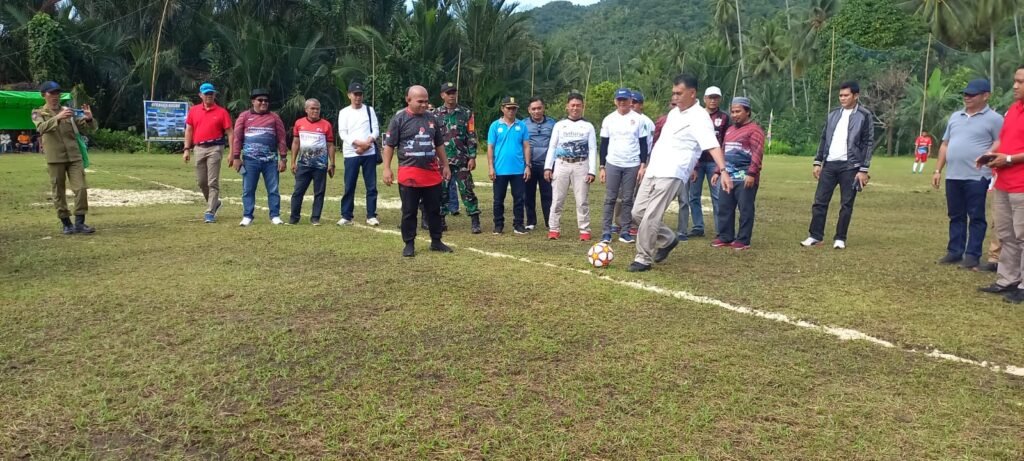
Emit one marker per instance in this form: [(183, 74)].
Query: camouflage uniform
[(460, 146)]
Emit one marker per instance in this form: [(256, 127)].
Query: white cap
[(713, 91)]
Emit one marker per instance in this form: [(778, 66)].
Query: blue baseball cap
[(977, 86), (206, 88), (623, 93), (48, 87), (638, 96)]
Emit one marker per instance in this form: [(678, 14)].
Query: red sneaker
[(584, 236), (553, 235), (719, 244), (738, 246), (633, 231)]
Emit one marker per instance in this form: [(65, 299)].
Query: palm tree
[(945, 18)]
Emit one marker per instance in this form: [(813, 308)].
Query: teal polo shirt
[(508, 146)]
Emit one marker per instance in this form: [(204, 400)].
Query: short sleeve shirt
[(415, 138), (508, 146), (313, 138), (208, 124), (685, 135), (923, 143), (624, 133), (1011, 142), (970, 136)]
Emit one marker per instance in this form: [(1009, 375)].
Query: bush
[(124, 141)]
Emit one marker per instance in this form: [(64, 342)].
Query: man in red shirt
[(207, 129), (1007, 159), (312, 160), (416, 137), (922, 150)]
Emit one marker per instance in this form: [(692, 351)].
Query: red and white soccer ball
[(600, 255)]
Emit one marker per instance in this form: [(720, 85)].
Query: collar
[(212, 106), (313, 121), (514, 121)]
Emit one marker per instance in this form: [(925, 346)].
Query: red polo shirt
[(1011, 142), (208, 124)]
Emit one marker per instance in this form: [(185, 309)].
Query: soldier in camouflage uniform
[(460, 147)]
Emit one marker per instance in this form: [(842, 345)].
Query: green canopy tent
[(16, 108)]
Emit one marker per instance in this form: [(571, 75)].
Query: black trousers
[(537, 182), (411, 199), (502, 183), (740, 197), (832, 174)]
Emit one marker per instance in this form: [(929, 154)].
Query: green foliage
[(114, 140), (45, 58)]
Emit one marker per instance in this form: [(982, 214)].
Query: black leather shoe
[(949, 259), (663, 253), (80, 227), (638, 267), (68, 229), (476, 223), (996, 288), (438, 245), (969, 262), (1015, 297), (409, 251)]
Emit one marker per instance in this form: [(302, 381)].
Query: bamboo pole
[(458, 76), (771, 118), (1016, 32), (739, 37), (156, 59), (373, 75), (924, 95), (619, 58), (831, 72), (586, 89), (533, 72)]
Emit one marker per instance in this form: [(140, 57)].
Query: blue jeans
[(704, 171), (501, 185), (303, 176), (367, 163), (965, 204), (453, 195), (251, 178)]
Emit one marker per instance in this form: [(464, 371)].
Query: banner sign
[(165, 120)]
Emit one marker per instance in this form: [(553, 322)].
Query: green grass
[(162, 337)]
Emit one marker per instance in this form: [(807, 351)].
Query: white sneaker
[(245, 222), (809, 242), (373, 222), (531, 227), (276, 220), (344, 222), (839, 245)]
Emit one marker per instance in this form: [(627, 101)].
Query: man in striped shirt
[(744, 152)]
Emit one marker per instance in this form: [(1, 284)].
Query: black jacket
[(860, 142)]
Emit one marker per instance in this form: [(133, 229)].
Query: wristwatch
[(1009, 159)]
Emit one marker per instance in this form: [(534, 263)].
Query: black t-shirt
[(415, 139)]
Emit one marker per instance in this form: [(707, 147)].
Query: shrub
[(124, 141)]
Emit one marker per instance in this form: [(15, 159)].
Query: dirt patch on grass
[(133, 198)]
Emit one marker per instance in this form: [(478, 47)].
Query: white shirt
[(355, 125), (623, 133), (649, 124), (685, 135), (837, 150), (572, 138)]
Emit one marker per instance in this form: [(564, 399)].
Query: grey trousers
[(684, 208), (649, 210), (1009, 211), (620, 183), (208, 173)]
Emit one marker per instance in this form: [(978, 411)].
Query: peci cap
[(355, 87), (713, 91), (977, 86), (448, 86), (638, 96), (742, 101), (623, 93), (509, 101), (207, 88), (258, 92), (48, 87)]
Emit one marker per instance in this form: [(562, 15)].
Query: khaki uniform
[(64, 160)]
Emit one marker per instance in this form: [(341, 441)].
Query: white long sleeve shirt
[(355, 125), (573, 139)]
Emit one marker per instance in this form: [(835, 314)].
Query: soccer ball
[(600, 255)]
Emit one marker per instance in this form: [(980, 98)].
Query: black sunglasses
[(262, 100)]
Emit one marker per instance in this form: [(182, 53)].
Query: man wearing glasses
[(59, 127), (207, 126), (258, 140), (508, 153)]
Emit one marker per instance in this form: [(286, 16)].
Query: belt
[(572, 159), (217, 142)]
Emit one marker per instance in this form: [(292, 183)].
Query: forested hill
[(618, 29)]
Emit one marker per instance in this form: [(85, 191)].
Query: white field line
[(843, 334)]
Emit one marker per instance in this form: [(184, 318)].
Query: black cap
[(509, 101), (448, 86), (355, 87), (258, 92), (47, 87)]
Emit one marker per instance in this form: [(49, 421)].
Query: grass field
[(163, 337)]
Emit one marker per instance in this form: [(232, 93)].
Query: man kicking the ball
[(687, 132)]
